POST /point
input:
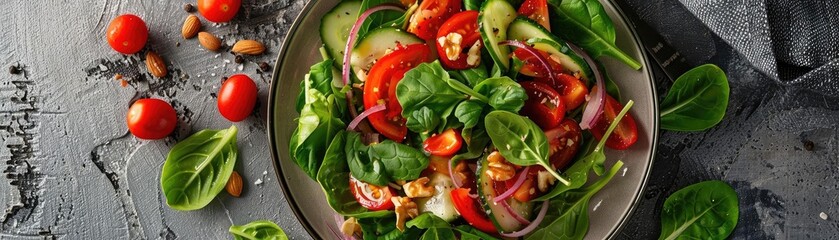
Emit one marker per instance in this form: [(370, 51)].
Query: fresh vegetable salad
[(469, 119)]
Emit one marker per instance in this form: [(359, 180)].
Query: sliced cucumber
[(376, 44), (525, 29), (494, 17), (440, 204), (335, 28), (503, 220)]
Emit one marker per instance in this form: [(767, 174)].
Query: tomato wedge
[(532, 67), (380, 88), (536, 10), (464, 24), (571, 89), (430, 16), (624, 135), (564, 141), (469, 209), (444, 144), (371, 196), (544, 105)]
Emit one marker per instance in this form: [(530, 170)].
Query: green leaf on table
[(697, 101), (586, 24), (706, 210), (198, 168), (519, 140), (261, 230)]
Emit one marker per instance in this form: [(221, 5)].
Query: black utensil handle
[(671, 61)]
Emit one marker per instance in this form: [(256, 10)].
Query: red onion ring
[(542, 61), (339, 221), (514, 188), (455, 179), (594, 107), (513, 213), (345, 71), (533, 225), (363, 115)]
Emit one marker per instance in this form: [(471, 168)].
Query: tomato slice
[(430, 16), (624, 135), (464, 24), (536, 10), (443, 144), (469, 209), (564, 141), (532, 67), (371, 196), (544, 105), (571, 89), (380, 88)]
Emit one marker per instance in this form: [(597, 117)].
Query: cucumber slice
[(335, 28), (494, 17), (525, 29), (440, 204), (499, 215), (376, 43)]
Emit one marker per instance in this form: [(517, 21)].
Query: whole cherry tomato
[(237, 97), (127, 34), (219, 10), (151, 118)]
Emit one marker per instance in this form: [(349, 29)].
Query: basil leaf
[(567, 217), (519, 140), (198, 168), (586, 24), (318, 123), (423, 120), (334, 175), (426, 221), (697, 100), (438, 233), (261, 229), (469, 112), (380, 163), (706, 210)]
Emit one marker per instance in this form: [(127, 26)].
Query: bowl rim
[(275, 155)]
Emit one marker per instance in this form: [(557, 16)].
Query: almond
[(249, 47), (191, 26), (209, 41), (155, 64), (234, 185)]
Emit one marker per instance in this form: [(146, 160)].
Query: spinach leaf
[(385, 229), (334, 175), (503, 92), (261, 229), (376, 19), (469, 112), (697, 100), (423, 120), (469, 233), (425, 86), (318, 123), (363, 166), (519, 140), (438, 234), (471, 76), (472, 4), (426, 221), (586, 24), (380, 163), (568, 214), (320, 77), (611, 88), (706, 210), (198, 168)]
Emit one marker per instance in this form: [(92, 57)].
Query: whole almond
[(209, 41), (155, 64), (249, 47), (191, 26), (234, 185)]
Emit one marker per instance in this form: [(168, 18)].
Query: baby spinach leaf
[(334, 175), (438, 234), (471, 76), (586, 24), (318, 123), (198, 168), (261, 229), (320, 77), (697, 100), (706, 210), (425, 86), (567, 217), (519, 140), (385, 229), (363, 166), (503, 92), (423, 120), (380, 163), (469, 233), (426, 221), (469, 112), (376, 19)]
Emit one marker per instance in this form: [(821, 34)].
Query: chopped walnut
[(474, 55), (545, 180), (418, 188), (404, 208), (350, 227), (499, 168), (451, 43), (461, 169)]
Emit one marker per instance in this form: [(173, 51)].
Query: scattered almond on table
[(234, 185), (249, 47), (209, 41), (155, 64), (191, 26)]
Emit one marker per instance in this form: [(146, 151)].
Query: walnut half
[(418, 188), (405, 209), (498, 168)]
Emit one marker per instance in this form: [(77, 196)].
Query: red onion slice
[(542, 61), (455, 179), (513, 213), (339, 221), (363, 115), (533, 225), (594, 107), (514, 188)]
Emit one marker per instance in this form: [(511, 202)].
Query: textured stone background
[(73, 171)]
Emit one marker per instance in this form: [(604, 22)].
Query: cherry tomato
[(536, 10), (544, 105), (151, 118), (127, 34), (237, 97), (466, 25), (532, 67), (371, 196), (624, 135), (471, 212), (564, 141), (571, 89), (523, 193), (430, 16), (380, 88), (445, 144), (219, 10)]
